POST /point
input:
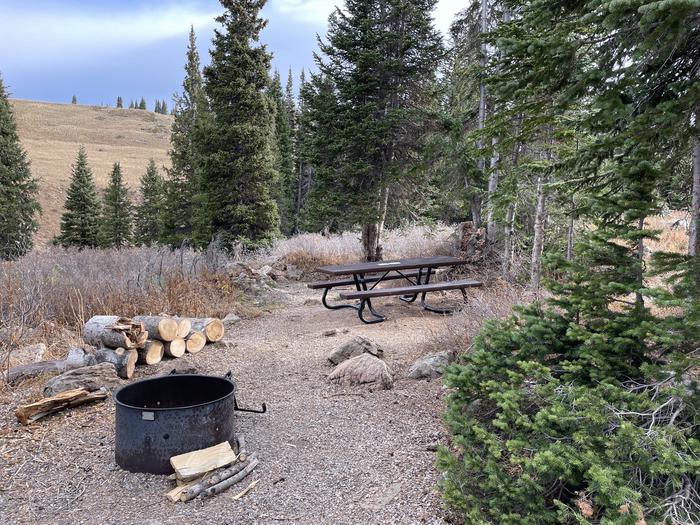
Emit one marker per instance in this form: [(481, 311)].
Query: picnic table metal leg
[(361, 285), (429, 308), (336, 306), (412, 298)]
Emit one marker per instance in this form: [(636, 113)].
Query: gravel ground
[(328, 454)]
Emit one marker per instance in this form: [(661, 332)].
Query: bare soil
[(328, 454)]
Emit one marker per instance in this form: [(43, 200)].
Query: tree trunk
[(211, 327), (175, 348), (152, 353), (159, 327), (123, 360), (570, 238), (91, 378), (694, 240), (371, 233), (481, 162), (493, 186), (77, 357), (114, 332), (508, 231), (538, 241), (639, 298), (195, 341)]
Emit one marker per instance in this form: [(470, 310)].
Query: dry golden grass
[(674, 232), (52, 133)]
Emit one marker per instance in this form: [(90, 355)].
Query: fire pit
[(169, 415)]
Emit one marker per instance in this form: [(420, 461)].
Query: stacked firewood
[(127, 341), (210, 471)]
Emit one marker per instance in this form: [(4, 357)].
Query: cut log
[(212, 327), (175, 348), (217, 477), (174, 494), (159, 327), (152, 353), (89, 378), (242, 452), (195, 342), (193, 464), (70, 398), (123, 360), (184, 326), (230, 482), (112, 331), (77, 357)]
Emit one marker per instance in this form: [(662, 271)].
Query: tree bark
[(218, 477), (538, 240), (158, 326), (694, 238), (231, 481), (91, 378), (77, 357), (570, 238), (371, 232), (27, 414), (114, 332), (123, 360), (492, 187), (508, 231)]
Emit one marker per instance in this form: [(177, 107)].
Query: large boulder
[(356, 346), (430, 366), (363, 369)]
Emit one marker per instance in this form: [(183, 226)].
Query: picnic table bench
[(417, 272)]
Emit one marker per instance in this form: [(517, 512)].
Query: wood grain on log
[(70, 398), (159, 326), (152, 353), (184, 326), (112, 331), (194, 464), (212, 327), (123, 360), (90, 378), (195, 342), (175, 348)]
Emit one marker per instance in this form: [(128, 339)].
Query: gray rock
[(230, 320), (363, 369), (354, 347), (27, 354), (430, 366), (293, 272)]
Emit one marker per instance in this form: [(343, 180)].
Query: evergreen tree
[(284, 157), (18, 190), (116, 216), (157, 109), (120, 102), (74, 100), (147, 223), (131, 105), (238, 174), (164, 107), (142, 104), (80, 223), (381, 57), (183, 182)]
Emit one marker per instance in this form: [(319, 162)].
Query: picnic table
[(366, 277)]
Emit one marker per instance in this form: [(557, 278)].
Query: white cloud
[(41, 37)]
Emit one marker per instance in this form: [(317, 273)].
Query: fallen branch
[(77, 357), (229, 482), (70, 398), (246, 490), (217, 478)]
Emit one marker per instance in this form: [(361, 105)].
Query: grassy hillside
[(51, 134)]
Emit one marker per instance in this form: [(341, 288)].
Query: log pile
[(208, 472)]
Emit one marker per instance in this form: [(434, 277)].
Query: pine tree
[(157, 109), (183, 182), (381, 56), (164, 107), (238, 174), (18, 190), (80, 223), (147, 222), (74, 100), (142, 104), (284, 157), (120, 102), (131, 104), (116, 216)]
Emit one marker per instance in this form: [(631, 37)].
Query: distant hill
[(52, 133)]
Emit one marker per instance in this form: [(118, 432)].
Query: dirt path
[(329, 455)]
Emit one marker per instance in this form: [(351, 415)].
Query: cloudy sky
[(51, 49)]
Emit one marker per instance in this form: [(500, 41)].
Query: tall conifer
[(116, 214), (18, 190), (142, 104), (120, 102), (147, 221), (284, 157)]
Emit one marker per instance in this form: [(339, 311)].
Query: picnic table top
[(399, 264)]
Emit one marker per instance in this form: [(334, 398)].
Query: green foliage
[(148, 221), (120, 102), (183, 184), (131, 105), (116, 213), (234, 145), (157, 107), (284, 156), (142, 104), (18, 190), (80, 223), (163, 107), (74, 100)]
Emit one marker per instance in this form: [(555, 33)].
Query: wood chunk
[(159, 326), (195, 341), (212, 328), (152, 353), (77, 357), (175, 348), (184, 326), (174, 494), (123, 360), (217, 477), (112, 331), (90, 378), (193, 464), (27, 414)]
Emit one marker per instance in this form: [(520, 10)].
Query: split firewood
[(193, 464), (159, 326), (70, 398), (123, 360), (152, 353), (90, 378), (229, 482), (242, 452), (112, 331), (175, 348), (215, 479), (195, 342), (174, 494), (246, 490), (184, 326), (77, 357), (212, 328)]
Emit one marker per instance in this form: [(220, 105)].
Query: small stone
[(310, 302), (329, 333), (293, 272), (362, 369), (356, 346), (430, 366), (230, 320), (27, 354)]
